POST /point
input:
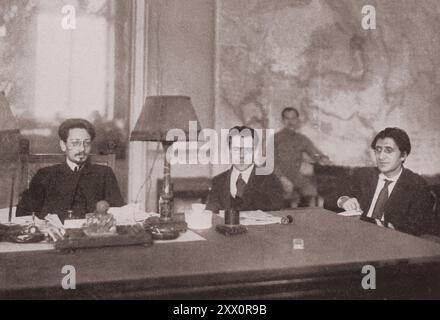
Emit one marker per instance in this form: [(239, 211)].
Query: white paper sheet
[(127, 215), (255, 218), (74, 223), (187, 236), (130, 214), (350, 213)]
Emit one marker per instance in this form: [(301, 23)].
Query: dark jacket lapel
[(86, 168), (227, 186), (64, 169), (370, 185), (249, 191), (395, 200)]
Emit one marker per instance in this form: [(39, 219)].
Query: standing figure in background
[(289, 148)]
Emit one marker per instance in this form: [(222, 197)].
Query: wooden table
[(259, 264)]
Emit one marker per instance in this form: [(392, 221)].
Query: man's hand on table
[(349, 204)]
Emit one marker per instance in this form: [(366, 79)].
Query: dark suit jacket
[(408, 209), (56, 189), (262, 192)]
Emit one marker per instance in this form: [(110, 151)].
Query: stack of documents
[(254, 218)]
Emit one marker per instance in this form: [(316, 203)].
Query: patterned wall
[(348, 83)]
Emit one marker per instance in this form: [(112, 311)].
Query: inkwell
[(232, 224)]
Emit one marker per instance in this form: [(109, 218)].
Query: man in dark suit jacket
[(389, 195), (75, 185), (242, 186)]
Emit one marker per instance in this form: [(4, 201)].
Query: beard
[(80, 158)]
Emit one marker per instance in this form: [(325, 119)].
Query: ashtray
[(28, 238), (21, 234), (163, 233), (162, 230)]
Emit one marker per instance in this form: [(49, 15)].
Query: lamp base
[(166, 229)]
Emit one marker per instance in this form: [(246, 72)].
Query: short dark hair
[(399, 136), (63, 130), (238, 130), (289, 109)]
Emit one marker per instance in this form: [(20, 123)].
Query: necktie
[(76, 169), (381, 201), (240, 186)]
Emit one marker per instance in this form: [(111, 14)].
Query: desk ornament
[(100, 230)]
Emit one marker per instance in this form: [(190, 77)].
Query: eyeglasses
[(387, 150), (79, 143)]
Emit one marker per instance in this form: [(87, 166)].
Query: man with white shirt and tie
[(74, 186), (241, 186), (389, 195)]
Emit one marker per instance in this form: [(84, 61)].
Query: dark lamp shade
[(8, 124), (161, 114)]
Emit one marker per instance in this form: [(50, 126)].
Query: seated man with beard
[(75, 185)]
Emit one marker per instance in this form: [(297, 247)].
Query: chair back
[(30, 163)]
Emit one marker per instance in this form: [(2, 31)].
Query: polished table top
[(332, 245)]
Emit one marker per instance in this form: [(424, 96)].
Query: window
[(72, 68)]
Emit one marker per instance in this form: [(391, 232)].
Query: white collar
[(72, 165), (244, 174), (393, 179)]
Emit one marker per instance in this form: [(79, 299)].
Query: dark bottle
[(232, 214)]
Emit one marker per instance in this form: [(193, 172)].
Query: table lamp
[(8, 130), (159, 115)]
